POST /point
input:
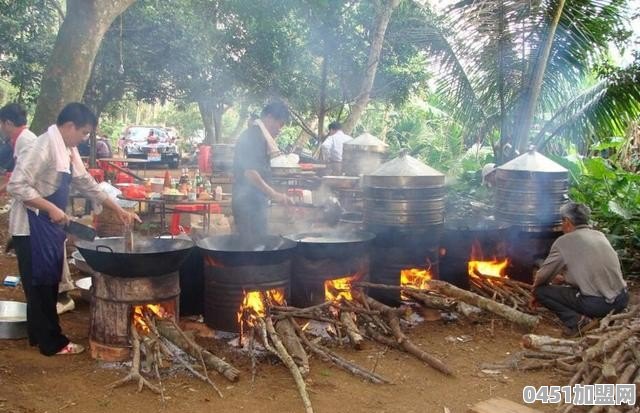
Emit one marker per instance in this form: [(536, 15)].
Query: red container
[(122, 178), (97, 174), (204, 159)]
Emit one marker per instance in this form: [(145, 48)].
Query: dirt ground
[(30, 382)]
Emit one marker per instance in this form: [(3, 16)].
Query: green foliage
[(612, 193), (28, 30)]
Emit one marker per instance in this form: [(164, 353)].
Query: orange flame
[(493, 268), (254, 305), (414, 277), (339, 288), (139, 318), (479, 267)]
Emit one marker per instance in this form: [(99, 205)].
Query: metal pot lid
[(367, 142), (405, 165), (533, 161)]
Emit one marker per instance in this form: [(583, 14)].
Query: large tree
[(72, 57)]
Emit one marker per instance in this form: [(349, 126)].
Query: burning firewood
[(134, 373), (255, 314), (447, 290), (391, 315), (156, 339), (291, 342)]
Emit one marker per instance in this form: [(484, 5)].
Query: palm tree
[(521, 71)]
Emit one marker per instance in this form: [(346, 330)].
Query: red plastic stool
[(97, 174), (175, 227)]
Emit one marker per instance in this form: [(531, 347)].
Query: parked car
[(152, 143)]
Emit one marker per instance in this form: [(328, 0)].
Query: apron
[(47, 238)]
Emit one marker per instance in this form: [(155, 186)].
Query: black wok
[(232, 250), (331, 244), (150, 257)]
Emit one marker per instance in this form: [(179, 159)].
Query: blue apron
[(47, 238)]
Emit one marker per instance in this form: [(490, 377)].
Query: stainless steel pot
[(403, 194), (530, 190), (13, 320), (363, 155)]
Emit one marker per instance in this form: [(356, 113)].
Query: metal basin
[(13, 320)]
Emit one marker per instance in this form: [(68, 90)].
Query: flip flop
[(69, 349)]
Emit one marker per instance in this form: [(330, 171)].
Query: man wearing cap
[(594, 284)]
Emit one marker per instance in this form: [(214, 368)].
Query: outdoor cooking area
[(401, 283)]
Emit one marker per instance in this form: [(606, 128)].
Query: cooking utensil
[(79, 230), (333, 244), (233, 250), (80, 263), (149, 257), (13, 320), (341, 181), (285, 170), (84, 285)]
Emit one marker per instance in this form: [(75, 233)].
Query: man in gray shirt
[(593, 279)]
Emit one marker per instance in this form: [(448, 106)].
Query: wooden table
[(167, 205)]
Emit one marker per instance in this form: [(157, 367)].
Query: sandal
[(71, 348)]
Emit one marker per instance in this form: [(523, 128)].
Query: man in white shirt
[(13, 124), (332, 147), (42, 180)]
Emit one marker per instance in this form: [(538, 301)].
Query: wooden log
[(525, 320), (282, 354), (339, 361), (549, 344), (607, 343), (290, 340), (391, 314), (431, 301), (356, 339), (134, 373), (169, 330), (609, 367)]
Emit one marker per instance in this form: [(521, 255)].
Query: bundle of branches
[(358, 318), (441, 290), (157, 343), (506, 291), (608, 354)]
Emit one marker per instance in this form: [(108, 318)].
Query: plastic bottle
[(218, 193)]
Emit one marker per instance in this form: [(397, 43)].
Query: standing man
[(41, 181), (252, 172), (332, 147), (592, 273), (13, 123)]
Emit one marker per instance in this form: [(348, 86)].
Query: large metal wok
[(150, 256), (232, 250), (331, 244)]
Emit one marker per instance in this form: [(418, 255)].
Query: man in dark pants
[(41, 181), (252, 173), (594, 284)]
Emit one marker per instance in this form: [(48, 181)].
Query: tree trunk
[(73, 54), (535, 84), (206, 112), (218, 111), (241, 124), (382, 21)]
